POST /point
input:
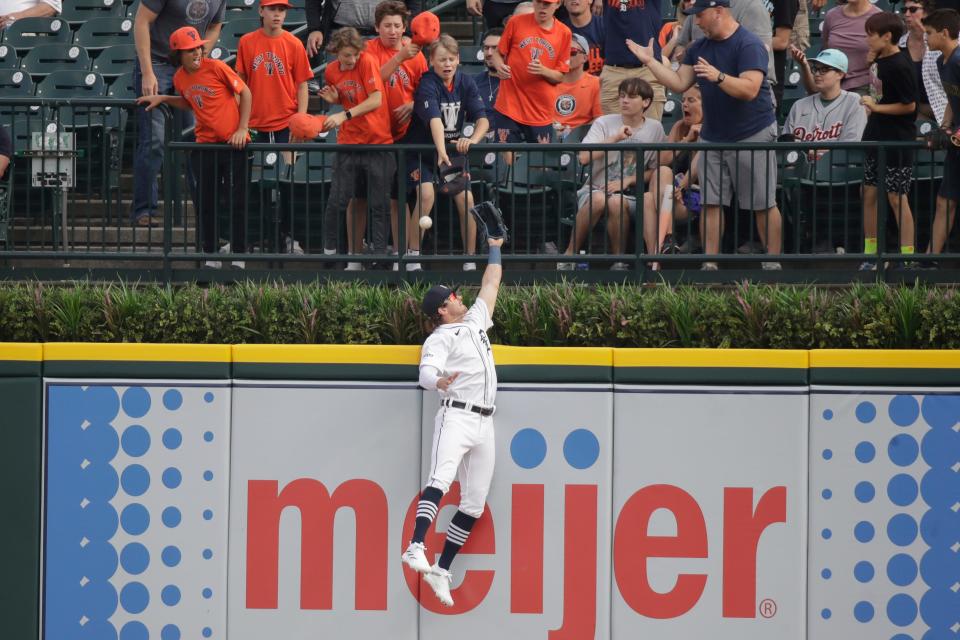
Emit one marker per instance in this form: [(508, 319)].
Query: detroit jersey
[(840, 120), (454, 106), (465, 348)]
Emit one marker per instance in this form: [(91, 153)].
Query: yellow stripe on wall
[(326, 354), (884, 359), (133, 352), (559, 356), (25, 351), (749, 358)]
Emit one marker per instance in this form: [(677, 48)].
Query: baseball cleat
[(439, 580), (415, 558)]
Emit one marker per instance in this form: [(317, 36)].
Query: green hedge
[(564, 314)]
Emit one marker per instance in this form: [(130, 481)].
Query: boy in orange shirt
[(533, 57), (220, 102), (353, 81), (578, 100), (274, 64)]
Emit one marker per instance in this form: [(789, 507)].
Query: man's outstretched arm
[(490, 285)]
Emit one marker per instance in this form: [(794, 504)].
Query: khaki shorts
[(612, 76), (754, 173)]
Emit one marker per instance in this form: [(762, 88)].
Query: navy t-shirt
[(638, 20), (488, 86), (950, 77), (454, 106), (595, 35), (725, 118)]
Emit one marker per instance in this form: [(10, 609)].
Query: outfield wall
[(184, 491)]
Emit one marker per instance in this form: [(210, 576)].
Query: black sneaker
[(669, 245)]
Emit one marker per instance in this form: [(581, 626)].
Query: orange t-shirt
[(578, 102), (274, 68), (211, 92), (401, 84), (527, 98), (355, 86)]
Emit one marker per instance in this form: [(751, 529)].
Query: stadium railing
[(59, 231)]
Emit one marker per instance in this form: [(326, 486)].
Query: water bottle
[(583, 265)]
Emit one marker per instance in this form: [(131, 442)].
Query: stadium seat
[(231, 32), (27, 33), (115, 61), (471, 54), (131, 11), (76, 12), (15, 84), (220, 53), (9, 58), (44, 59), (71, 84), (243, 6), (296, 18), (122, 87), (99, 33)]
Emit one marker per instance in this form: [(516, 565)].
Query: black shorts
[(506, 129)]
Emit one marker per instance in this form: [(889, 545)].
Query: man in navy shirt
[(730, 66), (639, 20), (582, 22), (943, 30)]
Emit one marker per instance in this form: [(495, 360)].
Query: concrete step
[(99, 238)]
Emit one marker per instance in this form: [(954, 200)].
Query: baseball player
[(457, 361)]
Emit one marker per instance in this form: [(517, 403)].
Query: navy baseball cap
[(701, 5), (435, 298)]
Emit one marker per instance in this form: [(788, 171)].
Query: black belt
[(466, 406), (626, 66)]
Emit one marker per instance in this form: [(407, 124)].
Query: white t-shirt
[(463, 347), (14, 6), (650, 131)]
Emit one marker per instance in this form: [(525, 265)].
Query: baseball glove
[(939, 139), (489, 221)]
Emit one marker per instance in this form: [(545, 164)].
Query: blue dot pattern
[(115, 484), (893, 470)]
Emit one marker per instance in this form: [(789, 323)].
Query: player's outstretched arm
[(490, 285)]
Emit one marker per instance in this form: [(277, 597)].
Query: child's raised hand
[(330, 94)]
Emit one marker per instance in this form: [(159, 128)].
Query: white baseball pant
[(463, 448)]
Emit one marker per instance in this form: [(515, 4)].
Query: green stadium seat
[(243, 6), (115, 61), (15, 83), (296, 18), (74, 84), (231, 32), (122, 87), (131, 10), (27, 33), (8, 57), (44, 59), (471, 54), (99, 33), (220, 53), (77, 12)]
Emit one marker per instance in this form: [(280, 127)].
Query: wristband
[(494, 257), (348, 114)]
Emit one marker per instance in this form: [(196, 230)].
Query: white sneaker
[(212, 264), (771, 266), (238, 264), (225, 248), (292, 246), (414, 266), (415, 558), (708, 266), (439, 580), (469, 266), (354, 266), (619, 266), (565, 266)]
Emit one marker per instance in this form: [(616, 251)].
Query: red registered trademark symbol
[(768, 608)]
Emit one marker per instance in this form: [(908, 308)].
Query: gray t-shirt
[(752, 15), (356, 13), (614, 169), (173, 14)]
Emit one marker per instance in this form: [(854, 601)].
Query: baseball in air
[(426, 222)]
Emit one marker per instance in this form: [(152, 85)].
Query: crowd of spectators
[(598, 71)]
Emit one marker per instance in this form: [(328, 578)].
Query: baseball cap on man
[(186, 39), (425, 28), (702, 5), (581, 42), (270, 3), (306, 126), (435, 297), (833, 58)]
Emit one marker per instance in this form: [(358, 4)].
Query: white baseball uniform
[(463, 441)]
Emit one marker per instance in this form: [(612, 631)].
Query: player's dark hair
[(445, 41), (391, 8), (944, 19), (636, 87), (343, 38), (885, 22)]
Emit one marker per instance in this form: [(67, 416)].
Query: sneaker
[(212, 264), (225, 248), (415, 558), (238, 264), (439, 580), (469, 266), (565, 266), (709, 266), (619, 266), (414, 266), (771, 266), (868, 265), (354, 266), (292, 246)]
